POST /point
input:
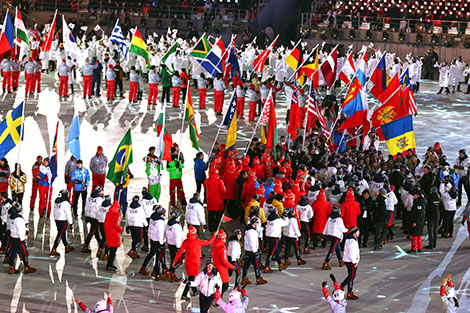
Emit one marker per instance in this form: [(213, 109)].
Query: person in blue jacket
[(96, 80), (200, 168), (81, 180)]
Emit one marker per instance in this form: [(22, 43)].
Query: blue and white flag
[(118, 37), (73, 141), (70, 45)]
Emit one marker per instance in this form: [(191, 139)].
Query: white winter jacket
[(195, 214), (335, 227), (62, 210), (292, 228), (251, 239), (207, 283), (147, 205), (174, 235), (102, 210), (391, 201), (92, 205), (157, 230), (274, 227), (305, 212), (449, 203), (234, 250), (351, 251), (135, 216)]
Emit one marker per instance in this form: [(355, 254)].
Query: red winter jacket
[(112, 226), (192, 261), (248, 190), (229, 179), (258, 169), (350, 210), (321, 210), (219, 255), (215, 192)]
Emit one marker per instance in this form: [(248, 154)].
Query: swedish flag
[(122, 159), (10, 130)]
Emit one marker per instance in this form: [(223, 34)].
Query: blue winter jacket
[(79, 176), (199, 169)]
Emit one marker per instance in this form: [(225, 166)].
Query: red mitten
[(244, 294), (218, 296), (392, 188)]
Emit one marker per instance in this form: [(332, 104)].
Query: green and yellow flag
[(122, 159), (193, 134), (139, 47)]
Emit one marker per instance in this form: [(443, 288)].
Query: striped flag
[(139, 47), (258, 63), (118, 37), (189, 117), (20, 30), (314, 112)]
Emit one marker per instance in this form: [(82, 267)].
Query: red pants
[(133, 91), (4, 187), (202, 98), (64, 86), (252, 112), (218, 101), (29, 83), (153, 93), (43, 200), (468, 227), (176, 96), (87, 85), (34, 194), (110, 84), (37, 81), (98, 179), (240, 106), (6, 81), (176, 186), (416, 243), (14, 79)]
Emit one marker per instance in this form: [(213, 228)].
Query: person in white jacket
[(443, 77), (208, 281), (252, 252), (334, 230), (305, 212), (449, 196), (63, 218), (92, 205), (273, 235), (195, 215), (390, 202), (147, 202), (234, 252), (292, 237), (156, 232), (174, 239), (351, 259), (102, 211), (448, 297), (135, 223)]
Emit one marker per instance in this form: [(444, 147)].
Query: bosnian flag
[(7, 37), (70, 45), (329, 68), (348, 70)]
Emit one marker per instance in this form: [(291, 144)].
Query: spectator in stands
[(246, 36)]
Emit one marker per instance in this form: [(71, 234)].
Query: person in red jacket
[(215, 199), (350, 210), (267, 161), (229, 178), (249, 188), (258, 169), (288, 168), (112, 231), (36, 177), (192, 261), (290, 200), (219, 255), (321, 210), (260, 192)]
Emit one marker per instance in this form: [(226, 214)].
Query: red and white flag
[(46, 46), (315, 114), (258, 63), (264, 117), (329, 68), (348, 70)]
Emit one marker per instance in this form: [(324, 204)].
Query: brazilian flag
[(122, 159)]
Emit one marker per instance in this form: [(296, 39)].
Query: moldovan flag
[(193, 134), (399, 135), (163, 148), (7, 37), (122, 159), (139, 47)]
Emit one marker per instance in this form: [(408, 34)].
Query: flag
[(53, 161), (164, 141), (361, 68), (264, 116), (189, 116), (118, 37), (314, 112), (213, 62), (379, 78), (399, 135), (73, 142), (122, 159), (139, 47), (393, 90), (294, 59), (258, 63), (310, 68), (202, 48), (230, 120), (348, 70), (226, 219), (169, 57), (294, 114), (46, 45), (329, 68), (354, 105), (231, 65), (407, 93), (271, 140), (7, 37), (10, 130), (405, 79), (70, 45), (21, 33)]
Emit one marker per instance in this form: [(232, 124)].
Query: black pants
[(236, 270), (199, 184), (173, 252), (3, 234), (159, 251), (364, 234), (447, 90), (166, 94), (76, 195), (112, 256), (214, 220), (146, 234), (103, 238), (381, 231), (93, 232), (316, 237), (118, 83), (183, 95), (462, 182), (61, 233), (95, 86), (352, 269), (274, 251), (205, 303), (231, 206), (449, 222), (18, 197), (432, 233), (251, 258), (305, 231), (186, 288), (291, 242), (18, 247), (137, 234), (335, 246)]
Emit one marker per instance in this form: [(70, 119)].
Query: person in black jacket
[(380, 219), (240, 181), (427, 181), (417, 216), (435, 205), (364, 220)]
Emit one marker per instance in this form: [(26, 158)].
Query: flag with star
[(122, 159), (11, 130)]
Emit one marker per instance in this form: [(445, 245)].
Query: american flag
[(314, 111)]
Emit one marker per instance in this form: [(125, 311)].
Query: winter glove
[(218, 296), (333, 278), (184, 281), (205, 227), (323, 284), (217, 287), (244, 294)]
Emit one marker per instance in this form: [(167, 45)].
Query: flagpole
[(182, 124), (306, 117), (19, 145), (220, 223), (50, 156), (303, 62), (257, 123), (254, 66)]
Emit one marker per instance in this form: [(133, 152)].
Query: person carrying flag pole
[(48, 172)]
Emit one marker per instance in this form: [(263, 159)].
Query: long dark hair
[(213, 272)]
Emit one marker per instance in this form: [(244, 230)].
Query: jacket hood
[(321, 196), (350, 197), (14, 213), (60, 200), (334, 215), (134, 204), (147, 196), (193, 200), (155, 216), (272, 217), (248, 227), (172, 222), (106, 203), (95, 194)]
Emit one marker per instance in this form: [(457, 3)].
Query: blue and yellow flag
[(230, 120), (10, 130), (122, 159), (399, 135), (405, 79)]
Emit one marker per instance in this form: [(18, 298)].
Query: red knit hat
[(221, 235), (191, 230), (260, 191)]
